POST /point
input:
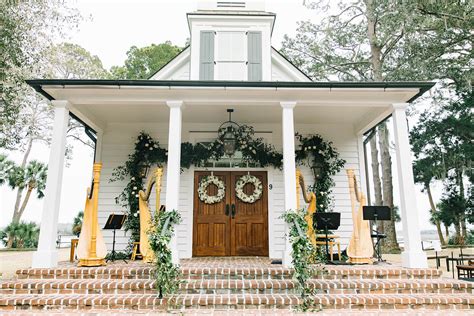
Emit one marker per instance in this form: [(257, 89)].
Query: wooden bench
[(466, 271)]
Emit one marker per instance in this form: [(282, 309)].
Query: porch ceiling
[(103, 102)]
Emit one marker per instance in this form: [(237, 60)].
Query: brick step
[(273, 272), (105, 286), (250, 301)]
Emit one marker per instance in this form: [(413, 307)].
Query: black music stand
[(375, 213), (115, 221), (327, 221)]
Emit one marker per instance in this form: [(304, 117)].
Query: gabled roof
[(177, 61)]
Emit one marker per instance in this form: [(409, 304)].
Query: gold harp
[(310, 198), (91, 249), (146, 223), (360, 249)]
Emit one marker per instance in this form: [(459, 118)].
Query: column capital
[(400, 106), (288, 104), (175, 104), (61, 104)]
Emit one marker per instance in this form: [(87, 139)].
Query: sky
[(109, 29)]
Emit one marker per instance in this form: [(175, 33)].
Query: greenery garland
[(314, 150), (148, 152), (303, 253), (165, 272)]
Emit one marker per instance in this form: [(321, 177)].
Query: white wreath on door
[(204, 184), (257, 192)]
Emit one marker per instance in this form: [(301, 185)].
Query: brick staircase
[(233, 283)]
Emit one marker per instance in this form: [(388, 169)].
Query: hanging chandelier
[(228, 134)]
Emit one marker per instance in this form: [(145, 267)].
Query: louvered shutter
[(254, 47), (206, 56)]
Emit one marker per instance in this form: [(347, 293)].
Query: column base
[(287, 259), (91, 262), (45, 259), (414, 259), (174, 249)]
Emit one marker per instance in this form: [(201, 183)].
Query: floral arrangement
[(242, 182), (147, 152), (166, 273), (204, 184), (315, 151)]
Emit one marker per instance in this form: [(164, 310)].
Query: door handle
[(233, 211), (227, 210)]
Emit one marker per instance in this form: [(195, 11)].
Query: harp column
[(174, 167), (289, 169), (412, 255), (47, 255)]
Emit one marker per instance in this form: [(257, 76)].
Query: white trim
[(365, 126), (288, 68), (87, 118)]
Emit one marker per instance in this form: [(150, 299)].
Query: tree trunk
[(462, 217), (446, 229), (434, 211), (16, 216), (376, 176), (375, 48), (25, 200), (390, 244), (457, 228)]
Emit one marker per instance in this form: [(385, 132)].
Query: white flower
[(151, 148), (146, 145), (306, 148), (133, 178), (135, 188), (155, 145), (320, 205), (254, 152), (136, 195), (136, 214)]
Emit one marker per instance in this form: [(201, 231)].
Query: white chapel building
[(229, 64)]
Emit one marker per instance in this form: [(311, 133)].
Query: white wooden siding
[(118, 143)]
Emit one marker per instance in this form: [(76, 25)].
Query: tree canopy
[(142, 63)]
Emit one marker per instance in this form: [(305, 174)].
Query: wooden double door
[(230, 227)]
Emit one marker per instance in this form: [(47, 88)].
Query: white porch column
[(47, 256), (289, 170), (412, 255), (174, 167)]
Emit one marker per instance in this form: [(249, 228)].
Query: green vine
[(303, 253), (148, 152), (166, 273), (314, 150)]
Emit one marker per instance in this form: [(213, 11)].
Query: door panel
[(218, 234), (211, 233), (251, 219)]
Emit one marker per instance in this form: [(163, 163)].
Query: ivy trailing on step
[(303, 253), (166, 273)]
